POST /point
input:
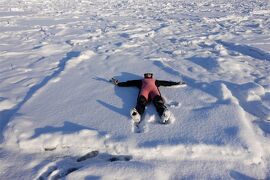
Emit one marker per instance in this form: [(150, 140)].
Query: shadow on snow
[(128, 95), (7, 115)]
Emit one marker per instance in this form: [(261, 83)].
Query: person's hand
[(181, 82), (114, 81)]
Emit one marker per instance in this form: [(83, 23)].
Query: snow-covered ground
[(61, 118)]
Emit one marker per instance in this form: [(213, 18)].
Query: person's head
[(148, 75)]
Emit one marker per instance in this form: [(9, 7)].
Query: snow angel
[(148, 92)]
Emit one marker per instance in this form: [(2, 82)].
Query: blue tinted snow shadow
[(166, 68), (92, 178), (171, 142), (101, 79), (264, 125), (6, 115), (246, 50), (208, 63), (231, 131), (123, 111), (128, 95), (124, 35), (240, 176), (67, 128)]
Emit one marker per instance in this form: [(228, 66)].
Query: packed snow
[(61, 118)]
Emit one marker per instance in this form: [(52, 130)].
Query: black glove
[(114, 81), (181, 82)]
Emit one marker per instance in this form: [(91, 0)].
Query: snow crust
[(61, 118)]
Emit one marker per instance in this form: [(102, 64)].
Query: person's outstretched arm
[(130, 83), (168, 83)]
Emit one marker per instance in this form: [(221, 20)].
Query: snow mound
[(67, 137)]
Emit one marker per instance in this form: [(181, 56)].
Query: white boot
[(165, 118), (136, 117)]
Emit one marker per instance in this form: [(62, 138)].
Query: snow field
[(61, 118)]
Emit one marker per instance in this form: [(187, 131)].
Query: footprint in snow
[(174, 104), (64, 167)]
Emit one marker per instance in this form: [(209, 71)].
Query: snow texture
[(60, 117)]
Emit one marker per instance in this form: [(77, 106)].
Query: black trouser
[(158, 103)]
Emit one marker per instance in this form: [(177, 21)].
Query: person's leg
[(159, 104), (141, 104), (162, 110), (139, 109)]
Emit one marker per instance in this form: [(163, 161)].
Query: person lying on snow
[(148, 92)]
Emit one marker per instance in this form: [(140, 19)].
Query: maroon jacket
[(148, 86)]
